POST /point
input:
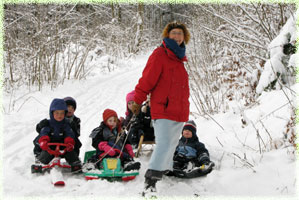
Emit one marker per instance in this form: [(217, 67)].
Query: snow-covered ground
[(241, 171)]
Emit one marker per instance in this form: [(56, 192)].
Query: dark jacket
[(57, 131), (75, 124), (127, 119), (141, 125), (103, 133), (191, 147), (148, 128)]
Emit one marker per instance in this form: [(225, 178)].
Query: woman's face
[(177, 34)]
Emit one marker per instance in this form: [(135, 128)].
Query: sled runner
[(54, 165), (142, 142), (194, 172), (108, 168)]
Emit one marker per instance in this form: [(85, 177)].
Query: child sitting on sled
[(110, 140), (141, 124), (191, 152), (57, 130), (70, 117), (74, 121)]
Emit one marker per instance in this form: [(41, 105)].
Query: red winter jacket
[(165, 77)]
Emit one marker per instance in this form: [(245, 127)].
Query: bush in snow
[(280, 68)]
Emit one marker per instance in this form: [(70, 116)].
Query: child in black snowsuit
[(191, 152), (141, 125), (74, 121), (56, 130), (110, 140)]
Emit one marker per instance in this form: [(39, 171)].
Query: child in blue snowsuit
[(57, 130), (191, 152), (71, 118)]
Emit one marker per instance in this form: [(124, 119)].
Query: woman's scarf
[(179, 51)]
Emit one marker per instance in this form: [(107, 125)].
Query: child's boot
[(132, 165), (207, 167), (76, 167)]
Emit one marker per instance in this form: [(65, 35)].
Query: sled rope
[(129, 124)]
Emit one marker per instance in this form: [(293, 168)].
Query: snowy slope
[(261, 175)]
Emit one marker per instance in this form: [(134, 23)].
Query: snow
[(245, 166)]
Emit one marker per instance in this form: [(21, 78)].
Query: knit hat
[(174, 25), (70, 102), (191, 126), (129, 97), (109, 113)]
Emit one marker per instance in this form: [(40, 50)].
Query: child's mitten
[(43, 142), (70, 142), (103, 146)]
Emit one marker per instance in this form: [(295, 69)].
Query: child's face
[(58, 115), (70, 111), (112, 121), (130, 104), (187, 134)]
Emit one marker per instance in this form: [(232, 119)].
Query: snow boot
[(150, 190), (207, 167), (76, 167), (168, 173), (200, 171), (88, 166), (132, 165), (179, 173), (151, 178), (36, 169)]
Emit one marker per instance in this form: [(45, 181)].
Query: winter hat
[(57, 104), (70, 102), (174, 25), (129, 97), (191, 126), (109, 113)]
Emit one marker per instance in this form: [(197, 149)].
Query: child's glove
[(136, 108), (129, 149), (43, 142), (180, 158), (103, 146), (70, 142)]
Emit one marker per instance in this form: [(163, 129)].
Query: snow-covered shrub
[(280, 67), (228, 51)]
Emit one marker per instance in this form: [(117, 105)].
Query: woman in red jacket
[(166, 79)]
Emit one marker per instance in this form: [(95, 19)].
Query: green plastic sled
[(110, 169)]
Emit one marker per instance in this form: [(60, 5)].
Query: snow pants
[(167, 133)]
